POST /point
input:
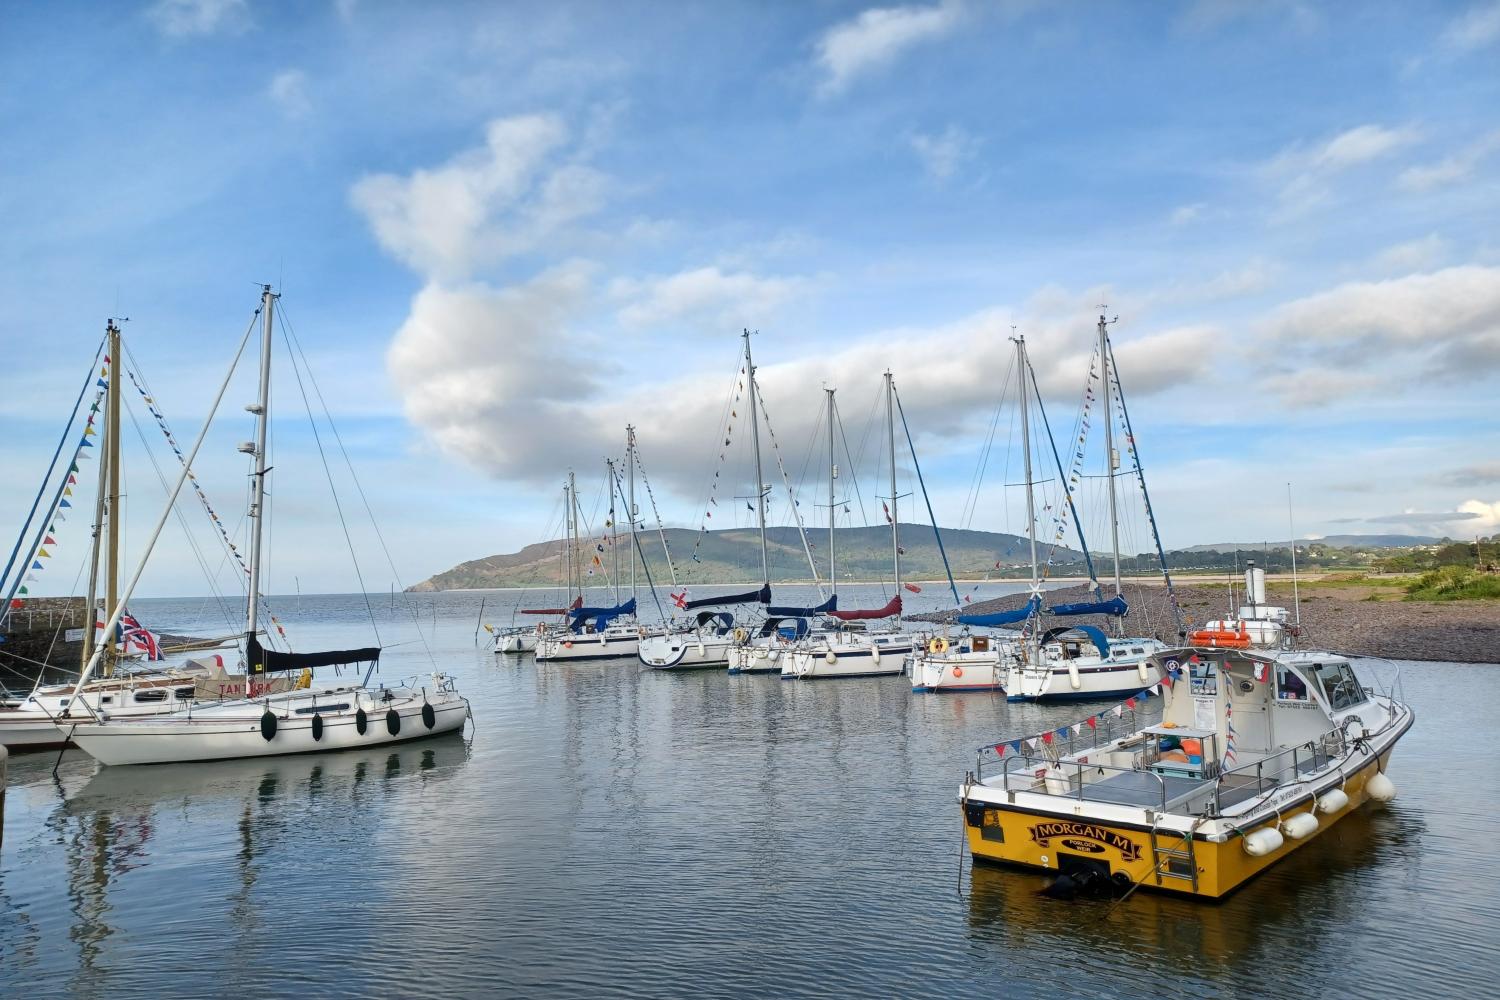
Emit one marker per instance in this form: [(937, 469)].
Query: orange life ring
[(1220, 637), (958, 671)]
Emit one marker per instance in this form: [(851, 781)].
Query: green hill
[(734, 555)]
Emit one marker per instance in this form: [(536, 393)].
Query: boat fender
[(875, 654), (1300, 826), (1140, 669), (831, 656), (1263, 842), (567, 644), (429, 715), (1073, 677), (603, 638), (317, 727), (268, 725), (958, 672), (361, 722), (393, 722), (701, 650), (1332, 800), (1380, 788)]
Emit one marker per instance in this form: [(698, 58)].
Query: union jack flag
[(134, 637)]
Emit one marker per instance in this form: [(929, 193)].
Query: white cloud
[(188, 18), (1184, 214), (1475, 28), (705, 294), (289, 90), (1305, 173), (1449, 170), (1424, 254), (1472, 517), (1450, 319), (485, 204), (942, 154), (1307, 388), (1481, 474), (1486, 516), (876, 37)]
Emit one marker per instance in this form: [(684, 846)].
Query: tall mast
[(573, 531), (262, 410), (630, 498), (111, 353), (760, 483), (567, 545), (1021, 365), (1111, 459), (890, 428), (833, 473), (112, 451)]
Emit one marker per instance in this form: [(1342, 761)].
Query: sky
[(501, 232)]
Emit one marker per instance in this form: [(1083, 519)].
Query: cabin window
[(1204, 676), (1340, 686), (185, 694), (155, 694), (1137, 651), (106, 699), (1289, 686)]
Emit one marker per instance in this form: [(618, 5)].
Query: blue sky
[(503, 231)]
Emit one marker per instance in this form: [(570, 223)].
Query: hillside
[(734, 554)]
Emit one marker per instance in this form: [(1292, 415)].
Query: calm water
[(608, 831)]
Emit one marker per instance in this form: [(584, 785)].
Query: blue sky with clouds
[(503, 231)]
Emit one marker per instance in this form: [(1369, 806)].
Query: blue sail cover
[(788, 628), (761, 596), (1032, 607), (831, 604), (1101, 642), (1114, 606), (602, 616)]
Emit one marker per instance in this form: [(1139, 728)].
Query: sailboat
[(29, 722), (855, 653), (707, 642), (1081, 662), (263, 723)]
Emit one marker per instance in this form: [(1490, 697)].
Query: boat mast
[(760, 486), (890, 427), (833, 473), (111, 352), (567, 545), (573, 533), (262, 410), (1111, 459), (630, 498), (1021, 365), (112, 457)]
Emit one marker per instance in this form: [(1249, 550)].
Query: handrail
[(1079, 767), (1106, 730)]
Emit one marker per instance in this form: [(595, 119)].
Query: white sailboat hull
[(31, 724), (611, 644), (757, 657), (877, 654), (958, 671), (1085, 677), (233, 731), (686, 651), (516, 642)]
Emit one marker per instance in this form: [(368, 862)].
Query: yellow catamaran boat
[(1257, 752)]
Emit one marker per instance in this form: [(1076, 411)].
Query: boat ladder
[(1182, 851)]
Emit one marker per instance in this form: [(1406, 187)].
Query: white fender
[(1140, 668), (1263, 842), (1300, 826), (1380, 788), (1332, 801), (874, 654), (700, 648), (831, 656), (1073, 677)]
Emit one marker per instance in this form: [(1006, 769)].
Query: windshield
[(1340, 687)]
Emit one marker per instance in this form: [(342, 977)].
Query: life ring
[(938, 646), (317, 727), (740, 635), (958, 672), (1220, 637)]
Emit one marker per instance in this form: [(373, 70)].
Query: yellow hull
[(1012, 835)]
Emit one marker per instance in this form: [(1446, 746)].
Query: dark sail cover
[(822, 609), (1004, 617), (263, 660), (891, 609), (1114, 606), (761, 596), (602, 616)]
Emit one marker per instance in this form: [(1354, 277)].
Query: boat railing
[(1068, 779), (1273, 770), (1081, 737)]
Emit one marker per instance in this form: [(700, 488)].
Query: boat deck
[(1142, 788)]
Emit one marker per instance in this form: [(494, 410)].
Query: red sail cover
[(893, 608), (553, 611)]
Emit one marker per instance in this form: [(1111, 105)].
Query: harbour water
[(608, 831)]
